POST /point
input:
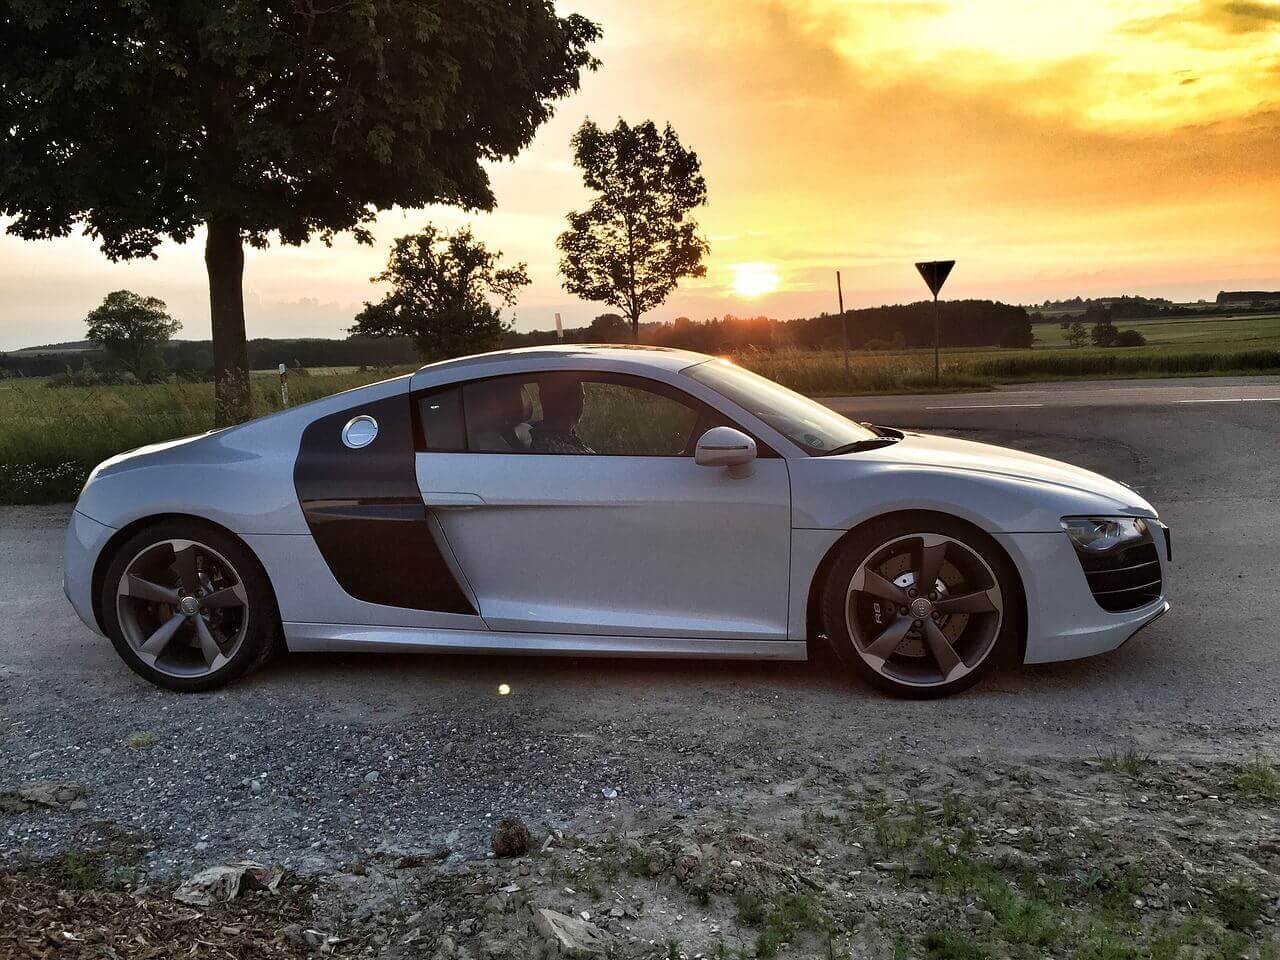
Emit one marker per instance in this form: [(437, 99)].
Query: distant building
[(1228, 298)]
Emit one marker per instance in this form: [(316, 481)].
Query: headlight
[(1100, 534)]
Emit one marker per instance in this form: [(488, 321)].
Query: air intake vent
[(1126, 579)]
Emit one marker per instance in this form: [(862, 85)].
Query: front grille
[(1125, 579)]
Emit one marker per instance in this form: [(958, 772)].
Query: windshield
[(815, 428)]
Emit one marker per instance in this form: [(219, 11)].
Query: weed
[(1238, 905), (140, 740), (1114, 888), (84, 870), (750, 909), (788, 919), (941, 945), (954, 810), (1129, 761), (1258, 779), (1021, 919), (1102, 944)]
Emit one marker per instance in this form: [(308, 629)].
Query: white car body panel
[(584, 544), (621, 556)]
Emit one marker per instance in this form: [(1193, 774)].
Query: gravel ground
[(319, 762)]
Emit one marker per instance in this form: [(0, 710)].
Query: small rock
[(42, 793), (610, 793), (371, 776), (510, 838), (573, 937)]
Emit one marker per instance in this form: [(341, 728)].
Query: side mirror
[(726, 447)]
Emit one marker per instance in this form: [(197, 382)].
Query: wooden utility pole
[(844, 328)]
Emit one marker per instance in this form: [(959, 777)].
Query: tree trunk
[(224, 261)]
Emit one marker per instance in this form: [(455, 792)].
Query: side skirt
[(348, 638)]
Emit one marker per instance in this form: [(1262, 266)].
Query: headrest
[(561, 397), (504, 399)]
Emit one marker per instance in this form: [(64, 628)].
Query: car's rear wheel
[(921, 605), (187, 606)]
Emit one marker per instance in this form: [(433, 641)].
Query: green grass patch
[(140, 740), (791, 918), (1020, 918), (1258, 779)]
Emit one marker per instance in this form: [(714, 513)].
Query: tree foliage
[(131, 329), (441, 288), (142, 120), (1077, 335), (1104, 333), (635, 241)]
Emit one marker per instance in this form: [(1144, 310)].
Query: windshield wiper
[(873, 443)]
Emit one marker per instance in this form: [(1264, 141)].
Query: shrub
[(1130, 338)]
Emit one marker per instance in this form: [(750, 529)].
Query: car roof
[(625, 354)]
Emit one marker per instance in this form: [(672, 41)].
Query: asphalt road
[(1203, 680)]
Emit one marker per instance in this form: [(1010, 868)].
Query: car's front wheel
[(187, 606), (920, 605)]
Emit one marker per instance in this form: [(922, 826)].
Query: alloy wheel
[(183, 608), (924, 610)]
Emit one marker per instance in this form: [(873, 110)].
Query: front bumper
[(84, 541), (1064, 620)]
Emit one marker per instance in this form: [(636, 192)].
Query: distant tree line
[(194, 358), (964, 323)]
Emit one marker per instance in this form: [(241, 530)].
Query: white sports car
[(617, 501)]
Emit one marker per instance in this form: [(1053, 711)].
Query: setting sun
[(754, 279)]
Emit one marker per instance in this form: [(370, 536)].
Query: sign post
[(284, 385), (559, 328), (844, 328), (935, 273)]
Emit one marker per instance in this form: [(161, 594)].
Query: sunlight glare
[(754, 279)]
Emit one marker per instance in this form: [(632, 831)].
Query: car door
[(608, 526)]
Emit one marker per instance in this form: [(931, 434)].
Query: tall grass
[(50, 439), (822, 372)]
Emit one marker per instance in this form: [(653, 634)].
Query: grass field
[(1217, 332), (51, 438)]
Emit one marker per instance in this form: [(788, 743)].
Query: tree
[(1130, 338), (440, 289), (608, 328), (1104, 333), (1077, 335), (293, 118), (635, 241), (131, 329), (1018, 333)]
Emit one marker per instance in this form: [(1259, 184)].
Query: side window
[(440, 415), (563, 412), (619, 419)]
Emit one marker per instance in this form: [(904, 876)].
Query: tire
[(170, 575), (905, 641)]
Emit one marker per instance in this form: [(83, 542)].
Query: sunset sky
[(1091, 147)]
